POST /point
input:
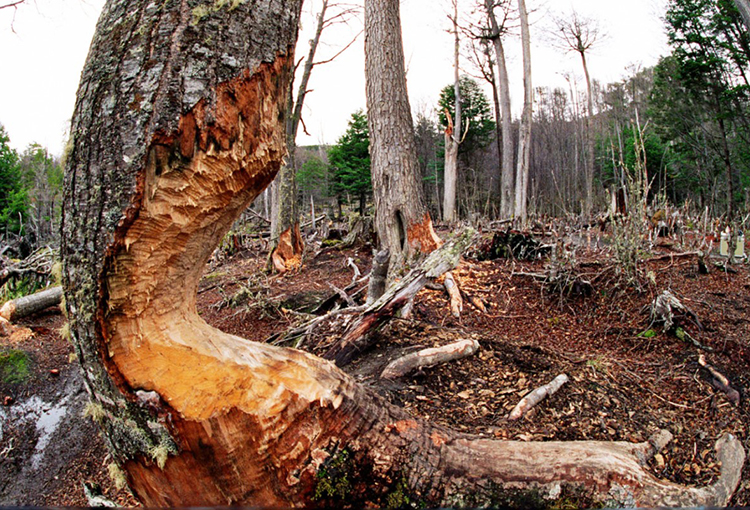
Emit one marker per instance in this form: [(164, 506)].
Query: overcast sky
[(43, 49)]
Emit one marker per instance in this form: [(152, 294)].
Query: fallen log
[(451, 287), (720, 381), (27, 305), (358, 335), (535, 396), (428, 358)]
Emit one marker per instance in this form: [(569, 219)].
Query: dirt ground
[(628, 378)]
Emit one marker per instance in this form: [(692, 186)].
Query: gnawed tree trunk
[(287, 244), (177, 127), (402, 221)]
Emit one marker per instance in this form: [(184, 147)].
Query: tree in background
[(14, 199), (286, 240), (523, 162), (349, 160), (579, 34), (402, 221), (700, 95), (475, 110), (45, 177), (495, 32)]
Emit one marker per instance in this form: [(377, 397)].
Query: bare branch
[(340, 52), (13, 4)]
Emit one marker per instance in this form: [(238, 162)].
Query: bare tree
[(524, 134), (579, 34), (453, 131), (286, 240), (496, 32)]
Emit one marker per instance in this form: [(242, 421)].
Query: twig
[(720, 381), (533, 397)]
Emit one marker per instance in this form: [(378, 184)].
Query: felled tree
[(178, 125)]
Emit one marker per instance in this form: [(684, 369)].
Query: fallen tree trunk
[(38, 264), (358, 336), (24, 306), (428, 358), (177, 128)]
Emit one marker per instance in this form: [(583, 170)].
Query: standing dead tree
[(178, 126), (580, 34)]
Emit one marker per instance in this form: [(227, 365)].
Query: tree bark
[(503, 85), (524, 135), (402, 221), (178, 126)]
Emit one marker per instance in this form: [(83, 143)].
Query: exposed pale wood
[(429, 357), (33, 303), (451, 287), (532, 398), (720, 381)]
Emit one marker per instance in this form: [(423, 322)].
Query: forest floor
[(628, 378)]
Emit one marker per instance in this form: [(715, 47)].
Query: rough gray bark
[(524, 134), (744, 7), (178, 126), (401, 218), (506, 121)]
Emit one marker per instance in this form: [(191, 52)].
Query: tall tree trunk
[(286, 240), (402, 221), (177, 128), (589, 168), (453, 133), (506, 188), (524, 135)]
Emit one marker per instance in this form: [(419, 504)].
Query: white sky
[(43, 50)]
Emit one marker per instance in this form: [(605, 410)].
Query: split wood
[(535, 396), (429, 357)]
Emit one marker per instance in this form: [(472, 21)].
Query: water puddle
[(46, 416)]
